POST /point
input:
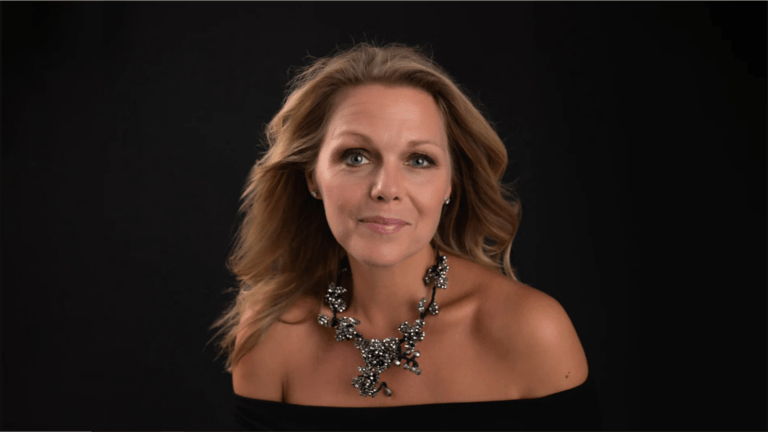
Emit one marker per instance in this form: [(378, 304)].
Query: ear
[(311, 183)]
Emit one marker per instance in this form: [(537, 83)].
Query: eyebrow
[(368, 140)]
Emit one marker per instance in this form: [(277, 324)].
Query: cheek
[(435, 210), (429, 204), (339, 198)]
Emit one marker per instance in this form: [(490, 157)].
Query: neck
[(384, 297)]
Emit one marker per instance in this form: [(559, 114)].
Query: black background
[(637, 132)]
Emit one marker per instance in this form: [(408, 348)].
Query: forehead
[(388, 113)]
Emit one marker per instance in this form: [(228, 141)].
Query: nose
[(387, 182)]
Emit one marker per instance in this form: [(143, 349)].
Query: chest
[(455, 366)]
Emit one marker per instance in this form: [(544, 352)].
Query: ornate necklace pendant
[(381, 355)]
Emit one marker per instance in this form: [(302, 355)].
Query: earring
[(314, 194), (447, 200)]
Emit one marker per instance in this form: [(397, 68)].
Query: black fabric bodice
[(573, 409)]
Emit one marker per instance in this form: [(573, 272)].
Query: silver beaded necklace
[(380, 355)]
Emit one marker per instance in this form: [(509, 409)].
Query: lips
[(384, 221), (383, 225)]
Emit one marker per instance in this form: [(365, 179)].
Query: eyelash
[(353, 152)]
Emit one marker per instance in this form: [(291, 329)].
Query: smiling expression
[(383, 171)]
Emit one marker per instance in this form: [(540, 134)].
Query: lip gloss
[(384, 229)]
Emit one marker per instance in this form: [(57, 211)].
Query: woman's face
[(384, 155)]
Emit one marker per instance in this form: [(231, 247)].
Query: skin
[(494, 338), (385, 153)]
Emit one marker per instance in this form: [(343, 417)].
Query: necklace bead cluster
[(380, 355)]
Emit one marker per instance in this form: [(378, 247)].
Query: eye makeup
[(358, 153)]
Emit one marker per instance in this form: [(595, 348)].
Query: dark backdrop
[(637, 132)]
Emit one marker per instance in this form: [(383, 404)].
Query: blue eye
[(355, 158), (422, 161)]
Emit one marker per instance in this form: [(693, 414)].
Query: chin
[(379, 254)]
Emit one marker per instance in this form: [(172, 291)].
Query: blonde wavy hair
[(284, 247)]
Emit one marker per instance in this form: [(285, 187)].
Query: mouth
[(380, 220), (383, 225)]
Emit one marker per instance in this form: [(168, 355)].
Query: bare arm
[(260, 373)]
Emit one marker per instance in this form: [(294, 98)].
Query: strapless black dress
[(573, 409)]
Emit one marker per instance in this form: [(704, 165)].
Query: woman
[(380, 185)]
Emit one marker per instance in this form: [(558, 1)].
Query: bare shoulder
[(261, 373), (538, 335)]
